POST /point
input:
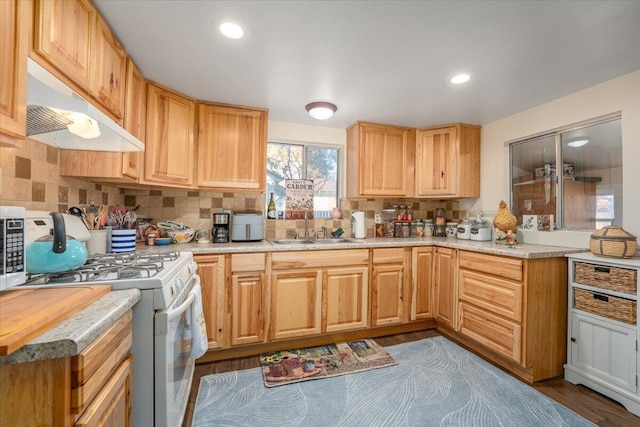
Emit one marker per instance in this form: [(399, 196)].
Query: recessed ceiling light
[(231, 30), (578, 142), (321, 110), (458, 79)]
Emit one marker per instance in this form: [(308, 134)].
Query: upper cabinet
[(63, 35), (448, 161), (71, 36), (379, 160), (108, 69), (170, 142), (232, 147), (135, 118), (14, 46)]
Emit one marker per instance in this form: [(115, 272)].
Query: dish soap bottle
[(271, 208)]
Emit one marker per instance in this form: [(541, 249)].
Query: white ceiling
[(381, 61)]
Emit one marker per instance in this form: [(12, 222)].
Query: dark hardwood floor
[(591, 405)]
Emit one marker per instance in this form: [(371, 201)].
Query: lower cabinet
[(602, 351), (90, 389), (211, 269), (515, 308), (247, 299), (318, 292), (445, 292), (422, 283), (388, 286)]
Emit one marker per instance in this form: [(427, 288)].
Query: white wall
[(620, 94)]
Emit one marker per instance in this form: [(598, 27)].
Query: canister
[(452, 229), (464, 230), (419, 228), (428, 227)]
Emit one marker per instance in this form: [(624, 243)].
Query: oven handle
[(163, 318)]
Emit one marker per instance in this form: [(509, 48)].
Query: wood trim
[(252, 350)]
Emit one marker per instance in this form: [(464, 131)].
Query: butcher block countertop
[(527, 251), (76, 332)]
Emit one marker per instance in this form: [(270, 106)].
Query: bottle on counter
[(271, 208)]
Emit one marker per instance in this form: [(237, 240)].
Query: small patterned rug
[(291, 366)]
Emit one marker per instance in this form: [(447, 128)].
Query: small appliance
[(12, 240), (247, 227), (220, 230)]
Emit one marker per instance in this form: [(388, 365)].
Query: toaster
[(247, 227)]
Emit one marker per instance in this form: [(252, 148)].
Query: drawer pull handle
[(601, 297), (603, 270)]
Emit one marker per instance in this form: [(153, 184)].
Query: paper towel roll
[(358, 230)]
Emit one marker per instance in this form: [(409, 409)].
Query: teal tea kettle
[(55, 252)]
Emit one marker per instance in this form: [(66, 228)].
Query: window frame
[(312, 144), (557, 133)]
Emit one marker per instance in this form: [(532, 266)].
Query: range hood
[(53, 109)]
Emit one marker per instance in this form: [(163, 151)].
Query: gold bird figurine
[(505, 220)]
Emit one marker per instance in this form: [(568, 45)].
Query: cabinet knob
[(441, 174), (573, 339)]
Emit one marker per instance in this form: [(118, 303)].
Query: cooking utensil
[(55, 252)]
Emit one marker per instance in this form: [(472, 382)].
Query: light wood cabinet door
[(387, 284), (63, 34), (445, 286), (247, 310), (346, 297), (232, 147), (112, 407), (211, 269), (379, 160), (170, 146), (14, 48), (296, 306), (108, 70), (448, 161), (422, 284), (135, 117)]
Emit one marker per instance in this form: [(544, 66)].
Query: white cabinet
[(602, 347)]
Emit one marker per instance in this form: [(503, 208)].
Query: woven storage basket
[(614, 242), (612, 278), (620, 309)]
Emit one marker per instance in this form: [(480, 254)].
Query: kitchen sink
[(313, 241), (291, 241)]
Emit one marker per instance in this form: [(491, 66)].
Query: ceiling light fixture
[(461, 78), (231, 30), (578, 142), (321, 110)]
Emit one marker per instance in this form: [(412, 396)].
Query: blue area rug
[(436, 383)]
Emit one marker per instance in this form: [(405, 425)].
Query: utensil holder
[(123, 240)]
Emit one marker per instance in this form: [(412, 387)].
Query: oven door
[(173, 363)]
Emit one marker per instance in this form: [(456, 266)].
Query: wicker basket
[(620, 309), (613, 242), (604, 277)]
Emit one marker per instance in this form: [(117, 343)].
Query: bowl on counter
[(162, 241), (181, 236)]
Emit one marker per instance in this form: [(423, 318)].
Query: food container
[(428, 227), (180, 236), (614, 242), (452, 229), (464, 230), (480, 229)]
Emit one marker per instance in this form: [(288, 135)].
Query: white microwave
[(12, 240)]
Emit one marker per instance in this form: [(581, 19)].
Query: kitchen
[(31, 173)]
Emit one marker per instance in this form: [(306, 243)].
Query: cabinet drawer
[(247, 262), (495, 295), (494, 332), (91, 369), (509, 268), (388, 256), (623, 280), (620, 309), (319, 259)]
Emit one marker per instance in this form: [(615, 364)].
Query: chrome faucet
[(324, 233), (306, 223)]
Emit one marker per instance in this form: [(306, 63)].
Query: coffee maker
[(220, 230)]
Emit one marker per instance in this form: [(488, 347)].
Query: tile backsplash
[(30, 178)]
